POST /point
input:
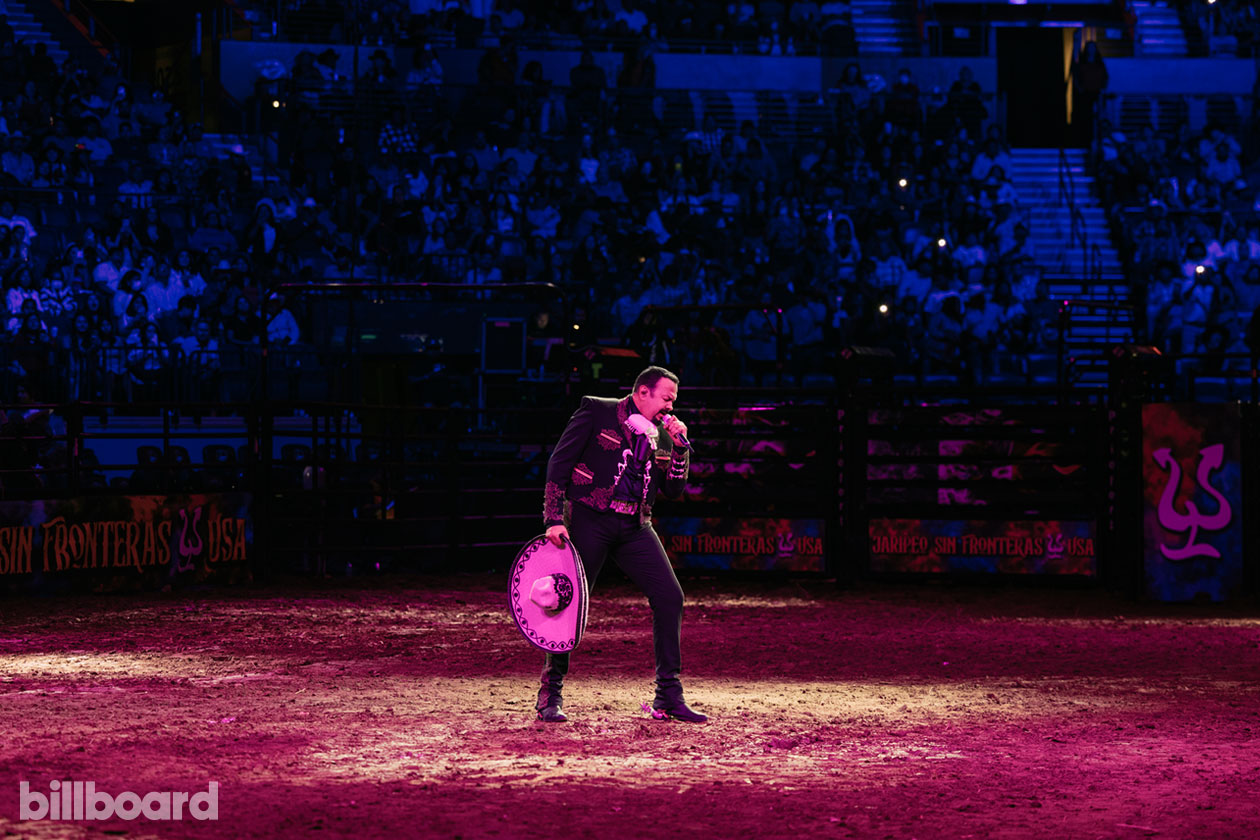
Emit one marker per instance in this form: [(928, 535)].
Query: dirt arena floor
[(405, 709)]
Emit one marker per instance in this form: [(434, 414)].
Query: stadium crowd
[(887, 218), (768, 27), (1228, 26), (124, 247), (1187, 222), (132, 246)]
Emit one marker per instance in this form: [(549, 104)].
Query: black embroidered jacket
[(592, 453)]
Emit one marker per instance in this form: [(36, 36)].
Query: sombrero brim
[(554, 632)]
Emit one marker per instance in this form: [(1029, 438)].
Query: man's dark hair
[(651, 376)]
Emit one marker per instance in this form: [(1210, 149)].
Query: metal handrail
[(543, 40), (1196, 115), (368, 287), (1095, 271), (1250, 373), (1067, 184), (780, 115), (81, 17), (1100, 305), (348, 88), (1078, 234)]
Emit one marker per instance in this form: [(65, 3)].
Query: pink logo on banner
[(1210, 460)]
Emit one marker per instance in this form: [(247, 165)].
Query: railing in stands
[(692, 337), (80, 16), (780, 116), (1095, 271), (1078, 234), (1166, 113), (1067, 184), (340, 23)]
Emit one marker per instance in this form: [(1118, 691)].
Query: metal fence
[(779, 115), (151, 375), (346, 487), (1168, 113)]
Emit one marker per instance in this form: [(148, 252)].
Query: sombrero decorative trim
[(547, 595)]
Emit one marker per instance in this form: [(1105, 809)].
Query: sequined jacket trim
[(585, 449)]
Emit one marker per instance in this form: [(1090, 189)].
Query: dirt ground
[(404, 708)]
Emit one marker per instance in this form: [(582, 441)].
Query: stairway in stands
[(885, 27), (1158, 29), (1091, 278), (28, 30)]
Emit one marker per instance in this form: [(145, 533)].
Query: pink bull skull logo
[(1210, 459), (189, 539)]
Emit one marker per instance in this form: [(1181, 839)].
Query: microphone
[(682, 440)]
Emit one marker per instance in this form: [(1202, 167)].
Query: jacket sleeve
[(676, 472), (563, 458)]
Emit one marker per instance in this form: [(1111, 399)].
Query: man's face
[(655, 403)]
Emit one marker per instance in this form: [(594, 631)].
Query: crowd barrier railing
[(312, 24), (1168, 113), (780, 115), (355, 486)]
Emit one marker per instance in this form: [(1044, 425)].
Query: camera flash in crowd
[(901, 182), (941, 243), (1198, 269)]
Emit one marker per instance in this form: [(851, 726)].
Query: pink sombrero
[(547, 595)]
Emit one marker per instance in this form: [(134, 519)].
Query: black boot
[(678, 710), (550, 703), (669, 703)]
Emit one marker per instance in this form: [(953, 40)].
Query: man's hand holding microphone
[(677, 431), (558, 535)]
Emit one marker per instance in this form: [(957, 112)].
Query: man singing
[(608, 465)]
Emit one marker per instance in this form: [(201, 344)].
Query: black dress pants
[(638, 552)]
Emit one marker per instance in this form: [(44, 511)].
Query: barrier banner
[(1192, 529), (743, 542), (983, 546), (125, 542)]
